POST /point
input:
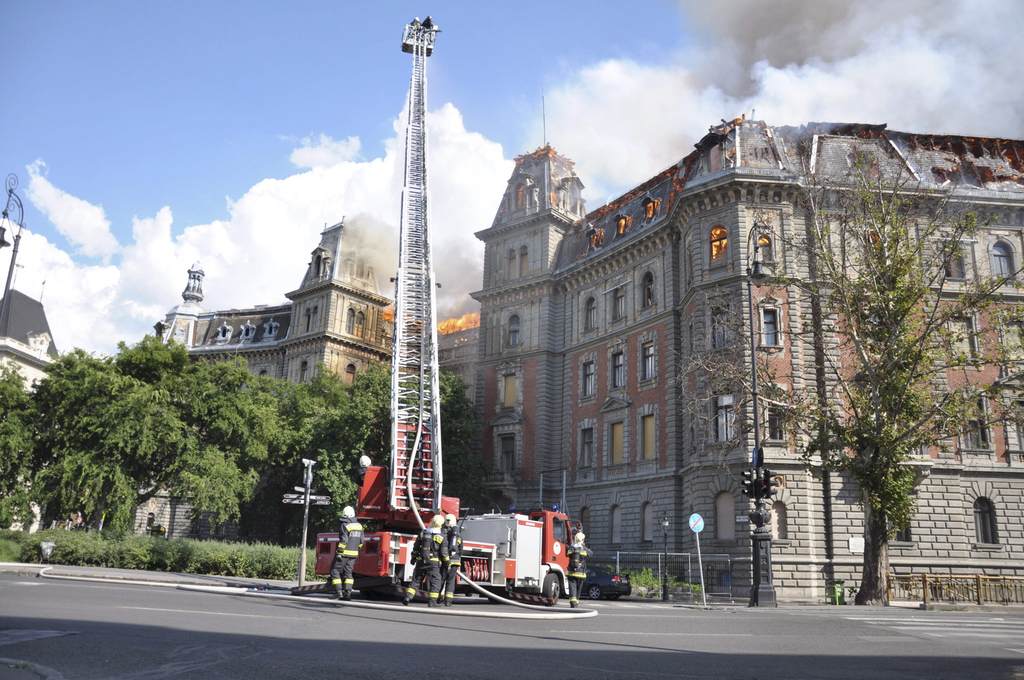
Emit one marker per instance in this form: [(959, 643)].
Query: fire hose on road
[(536, 613)]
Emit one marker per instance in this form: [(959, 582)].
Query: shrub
[(121, 550), (10, 551)]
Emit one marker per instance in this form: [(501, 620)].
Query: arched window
[(350, 373), (725, 516), (780, 521), (764, 247), (985, 521), (619, 304), (590, 315), (360, 323), (303, 369), (523, 260), (1002, 260), (350, 321), (647, 290), (510, 265), (513, 330), (648, 521), (616, 518), (309, 320), (585, 520), (316, 316), (719, 242), (263, 373)]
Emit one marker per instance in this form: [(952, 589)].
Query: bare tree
[(916, 350)]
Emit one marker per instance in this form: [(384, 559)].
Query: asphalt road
[(85, 630)]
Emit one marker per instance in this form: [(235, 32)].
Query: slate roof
[(27, 317)]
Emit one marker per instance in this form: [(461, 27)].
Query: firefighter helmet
[(450, 520), (364, 461), (348, 512), (580, 537), (437, 522)]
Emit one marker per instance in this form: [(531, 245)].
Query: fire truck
[(521, 555)]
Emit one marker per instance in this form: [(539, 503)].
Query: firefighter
[(427, 555), (453, 543), (577, 554), (350, 540)]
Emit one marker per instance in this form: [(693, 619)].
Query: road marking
[(615, 632), (12, 637), (194, 611)]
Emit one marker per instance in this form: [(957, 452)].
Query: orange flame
[(388, 313), (463, 323)]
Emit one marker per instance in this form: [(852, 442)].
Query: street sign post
[(308, 479), (697, 526)]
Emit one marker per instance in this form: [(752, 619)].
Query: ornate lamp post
[(762, 591), (666, 524), (13, 202)]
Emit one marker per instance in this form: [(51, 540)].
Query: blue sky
[(149, 135)]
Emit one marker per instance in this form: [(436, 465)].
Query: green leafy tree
[(115, 431), (347, 421), (17, 439), (464, 470)]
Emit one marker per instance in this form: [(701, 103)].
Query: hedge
[(119, 550)]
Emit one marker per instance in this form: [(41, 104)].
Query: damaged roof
[(749, 147)]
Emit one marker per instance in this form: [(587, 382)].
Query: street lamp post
[(13, 202), (666, 523), (762, 591)]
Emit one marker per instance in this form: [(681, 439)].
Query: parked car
[(601, 583)]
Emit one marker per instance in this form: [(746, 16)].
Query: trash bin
[(46, 549), (836, 592)]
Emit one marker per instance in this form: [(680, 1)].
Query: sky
[(147, 136)]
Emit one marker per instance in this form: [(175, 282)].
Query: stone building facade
[(588, 320), (336, 316)]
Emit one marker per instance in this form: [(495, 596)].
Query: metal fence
[(680, 567), (929, 588)]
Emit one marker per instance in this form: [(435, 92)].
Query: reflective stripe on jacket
[(350, 538)]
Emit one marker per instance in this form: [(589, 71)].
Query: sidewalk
[(168, 578)]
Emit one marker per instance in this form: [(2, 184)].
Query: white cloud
[(82, 223), (324, 151), (261, 252)]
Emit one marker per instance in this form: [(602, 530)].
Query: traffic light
[(768, 484), (750, 483)]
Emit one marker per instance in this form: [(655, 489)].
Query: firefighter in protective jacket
[(350, 540), (428, 552), (453, 543), (577, 554)]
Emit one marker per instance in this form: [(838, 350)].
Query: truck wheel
[(552, 588)]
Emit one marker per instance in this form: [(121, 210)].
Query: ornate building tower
[(520, 329)]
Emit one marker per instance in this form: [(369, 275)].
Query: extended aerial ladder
[(415, 479)]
